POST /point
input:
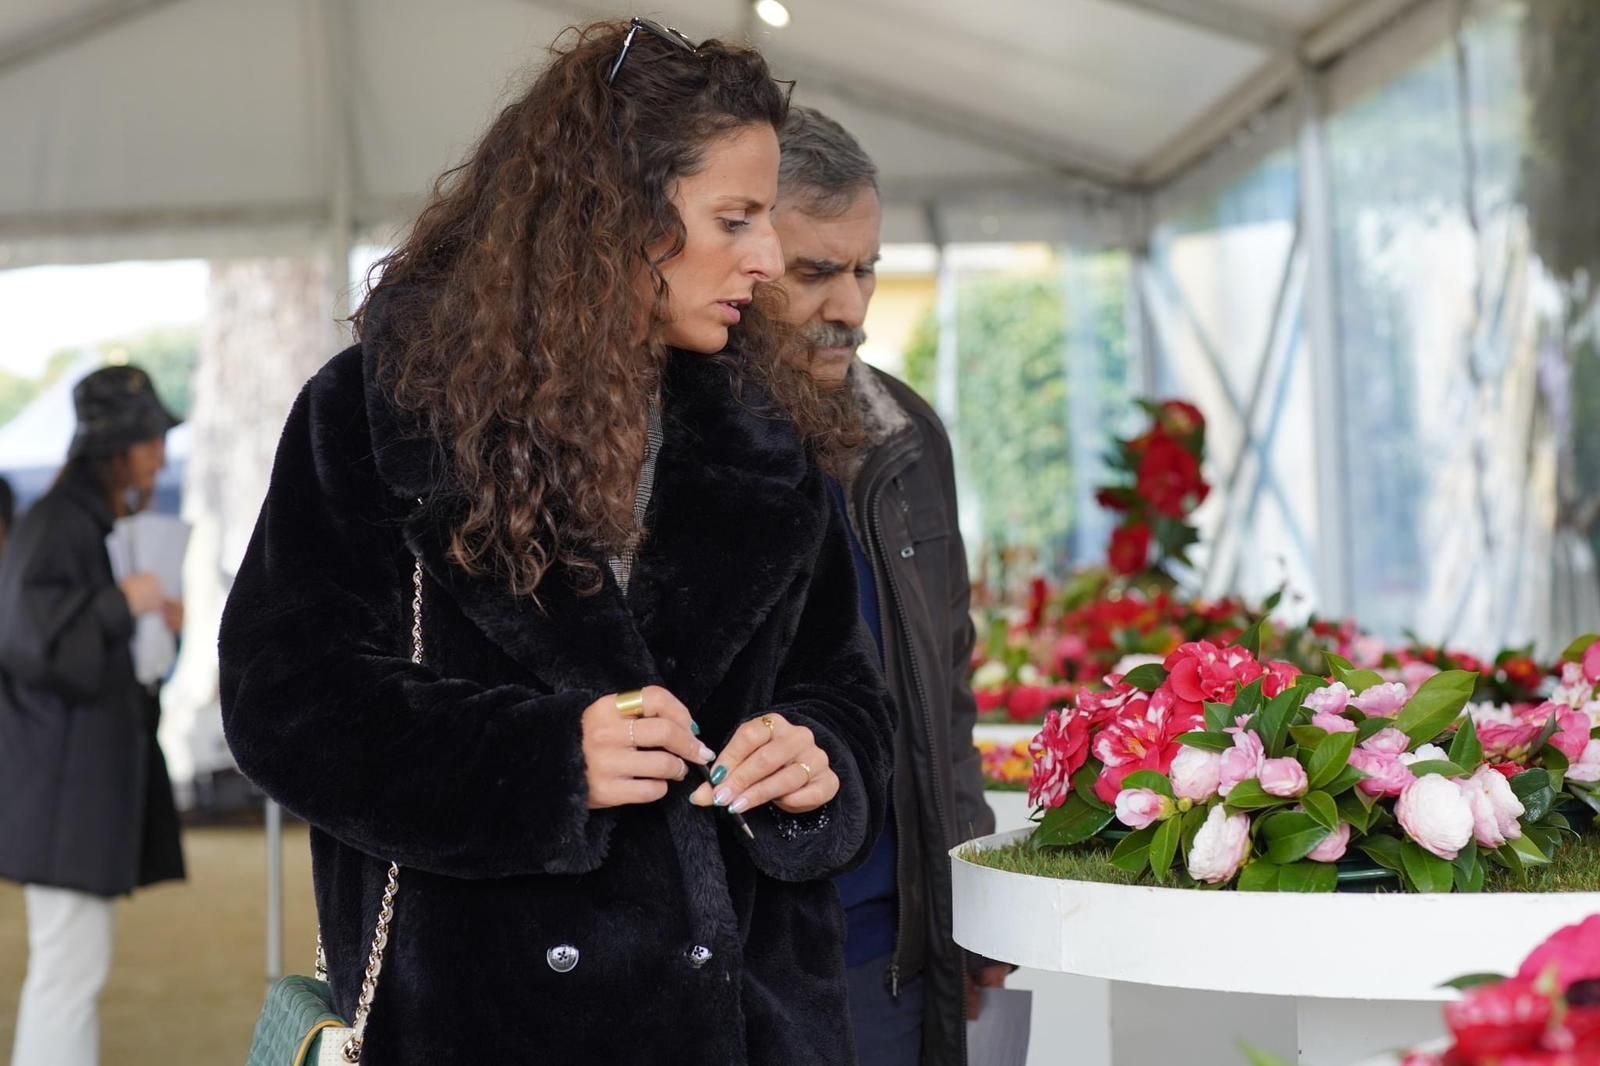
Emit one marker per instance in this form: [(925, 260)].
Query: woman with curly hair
[(596, 801)]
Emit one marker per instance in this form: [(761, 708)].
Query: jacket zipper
[(875, 528)]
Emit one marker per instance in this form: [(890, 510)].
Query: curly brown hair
[(517, 314)]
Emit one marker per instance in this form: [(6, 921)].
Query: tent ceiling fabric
[(128, 121)]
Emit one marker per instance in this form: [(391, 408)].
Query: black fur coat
[(692, 944)]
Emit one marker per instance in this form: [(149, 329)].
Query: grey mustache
[(828, 335)]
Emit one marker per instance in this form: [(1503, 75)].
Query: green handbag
[(298, 1025)]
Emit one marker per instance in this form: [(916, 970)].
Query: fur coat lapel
[(732, 491)]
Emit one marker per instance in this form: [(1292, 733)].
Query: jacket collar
[(736, 511), (82, 489)]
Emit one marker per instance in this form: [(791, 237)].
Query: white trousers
[(69, 958)]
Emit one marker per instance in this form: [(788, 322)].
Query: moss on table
[(1576, 867)]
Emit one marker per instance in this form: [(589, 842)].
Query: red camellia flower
[(1524, 672), (1495, 1019), (1182, 419), (1130, 548), (1058, 751), (1572, 952), (1113, 499), (1280, 678), (1169, 477)]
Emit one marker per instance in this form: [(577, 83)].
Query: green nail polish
[(694, 727), (718, 774)]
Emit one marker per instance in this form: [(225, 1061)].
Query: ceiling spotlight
[(772, 13)]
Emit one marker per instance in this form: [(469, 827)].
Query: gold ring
[(806, 768), (631, 704), (766, 720)]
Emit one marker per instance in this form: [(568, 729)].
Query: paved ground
[(190, 963)]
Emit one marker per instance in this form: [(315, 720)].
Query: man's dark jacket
[(903, 505)]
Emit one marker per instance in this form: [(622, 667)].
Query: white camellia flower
[(990, 675), (1434, 812), (1220, 847)]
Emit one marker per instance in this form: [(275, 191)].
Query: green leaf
[(1250, 640), (1331, 758), (1508, 857), (1474, 980), (1550, 726), (1466, 749), (1259, 876), (1357, 681), (1132, 852), (1147, 678), (1348, 778), (1307, 736), (1321, 807), (1272, 601), (1164, 846), (1083, 785), (1437, 704), (1207, 741), (1193, 819), (1575, 650), (1467, 869), (1532, 787), (1155, 782), (1291, 835), (1427, 871), (1248, 702), (1273, 722), (1371, 727), (1219, 716), (1309, 877), (1529, 852), (1352, 810), (1442, 767), (1383, 850), (1556, 765), (1071, 823), (1250, 796)]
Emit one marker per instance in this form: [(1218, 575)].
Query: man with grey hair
[(911, 987)]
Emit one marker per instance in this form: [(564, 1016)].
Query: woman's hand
[(143, 592), (172, 614), (632, 760), (770, 760)]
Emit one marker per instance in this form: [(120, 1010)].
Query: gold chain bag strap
[(349, 1041)]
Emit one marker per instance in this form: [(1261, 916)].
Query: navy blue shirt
[(868, 892)]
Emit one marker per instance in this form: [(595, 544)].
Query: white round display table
[(1352, 974)]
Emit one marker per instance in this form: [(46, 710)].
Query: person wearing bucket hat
[(86, 809)]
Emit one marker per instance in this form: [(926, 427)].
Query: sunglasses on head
[(666, 33)]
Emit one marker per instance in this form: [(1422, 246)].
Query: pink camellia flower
[(1495, 808), (1220, 847), (1587, 768), (1414, 673), (1284, 777), (1333, 723), (1242, 762), (1058, 750), (1382, 701), (1138, 808), (1333, 845), (1572, 732), (1196, 774), (1385, 774), (1197, 672), (1435, 814), (1426, 753), (1572, 951), (1367, 652), (1508, 742), (1591, 663), (1387, 742), (1280, 677), (1329, 700)]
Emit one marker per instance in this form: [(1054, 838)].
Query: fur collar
[(736, 512)]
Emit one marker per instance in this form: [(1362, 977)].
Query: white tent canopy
[(146, 128)]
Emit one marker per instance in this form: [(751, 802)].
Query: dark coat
[(903, 502), (85, 802), (469, 771)]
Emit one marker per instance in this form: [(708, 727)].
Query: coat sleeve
[(831, 683), (973, 815), (326, 713), (60, 629)]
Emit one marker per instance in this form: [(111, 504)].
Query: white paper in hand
[(999, 1036), (155, 544)]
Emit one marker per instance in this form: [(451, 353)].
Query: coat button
[(562, 958), (699, 955), (907, 552)]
